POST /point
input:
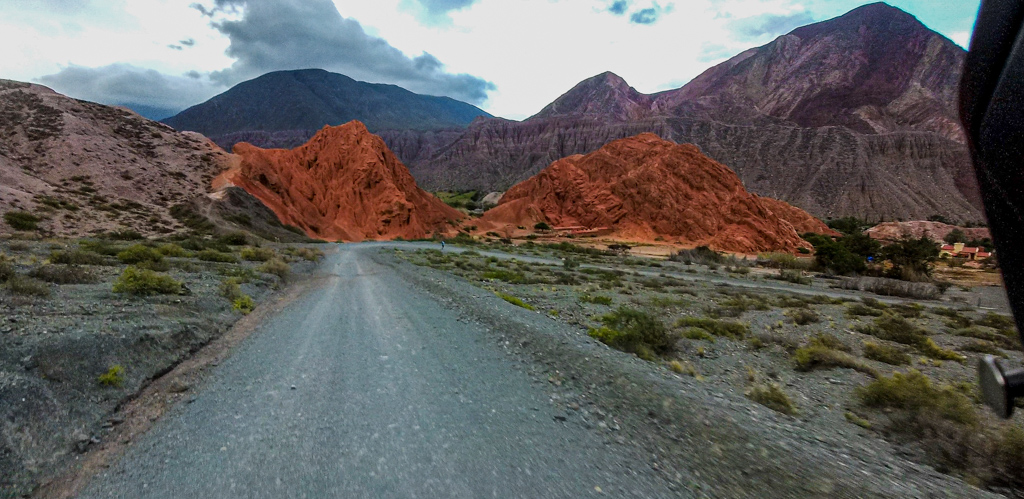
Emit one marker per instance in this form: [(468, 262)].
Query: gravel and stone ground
[(58, 340), (399, 380)]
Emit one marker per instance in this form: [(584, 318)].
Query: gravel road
[(369, 387)]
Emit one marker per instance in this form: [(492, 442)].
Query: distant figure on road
[(442, 245)]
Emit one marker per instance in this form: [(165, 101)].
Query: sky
[(509, 57)]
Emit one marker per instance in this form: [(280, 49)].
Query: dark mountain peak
[(881, 19), (606, 95), (308, 99)]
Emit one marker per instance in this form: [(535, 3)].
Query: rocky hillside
[(81, 168), (342, 185), (301, 102), (851, 116), (647, 188)]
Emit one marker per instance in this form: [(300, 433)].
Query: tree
[(911, 257), (955, 236), (861, 244), (835, 256), (848, 225)]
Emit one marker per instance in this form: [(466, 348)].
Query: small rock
[(560, 417), (293, 387)]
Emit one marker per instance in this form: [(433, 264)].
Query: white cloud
[(961, 38), (532, 50)]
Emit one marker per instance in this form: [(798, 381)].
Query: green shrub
[(508, 276), (114, 377), (172, 250), (887, 354), (907, 310), (234, 239), (997, 321), (817, 356), (277, 267), (6, 271), (894, 328), (77, 257), (1009, 341), (793, 276), (696, 333), (62, 274), (596, 299), (142, 282), (27, 286), (635, 332), (980, 346), (857, 420), (230, 289), (139, 253), (541, 226), (772, 397), (308, 254), (104, 248), (243, 304), (726, 329), (515, 301), (570, 263), (258, 254), (915, 393), (22, 220), (803, 317), (210, 255), (929, 348)]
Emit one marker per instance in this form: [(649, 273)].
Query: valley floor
[(397, 380)]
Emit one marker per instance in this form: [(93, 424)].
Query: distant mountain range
[(311, 98), (851, 116)]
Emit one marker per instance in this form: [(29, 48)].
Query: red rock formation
[(802, 221), (644, 188), (342, 185)]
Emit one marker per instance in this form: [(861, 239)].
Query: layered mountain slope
[(876, 69), (342, 185), (645, 188), (852, 116), (309, 99), (86, 168)]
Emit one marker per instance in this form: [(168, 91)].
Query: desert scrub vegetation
[(596, 299), (172, 250), (886, 354), (947, 426), (509, 276), (114, 377), (802, 316), (515, 301), (243, 304), (257, 254), (308, 254), (1004, 339), (211, 255), (824, 351), (737, 304), (773, 397), (725, 329), (77, 257), (22, 220), (276, 266), (63, 274), (6, 271), (686, 368), (143, 282), (27, 286), (636, 332), (138, 253), (898, 330)]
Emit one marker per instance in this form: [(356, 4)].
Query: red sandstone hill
[(645, 187), (342, 185)]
